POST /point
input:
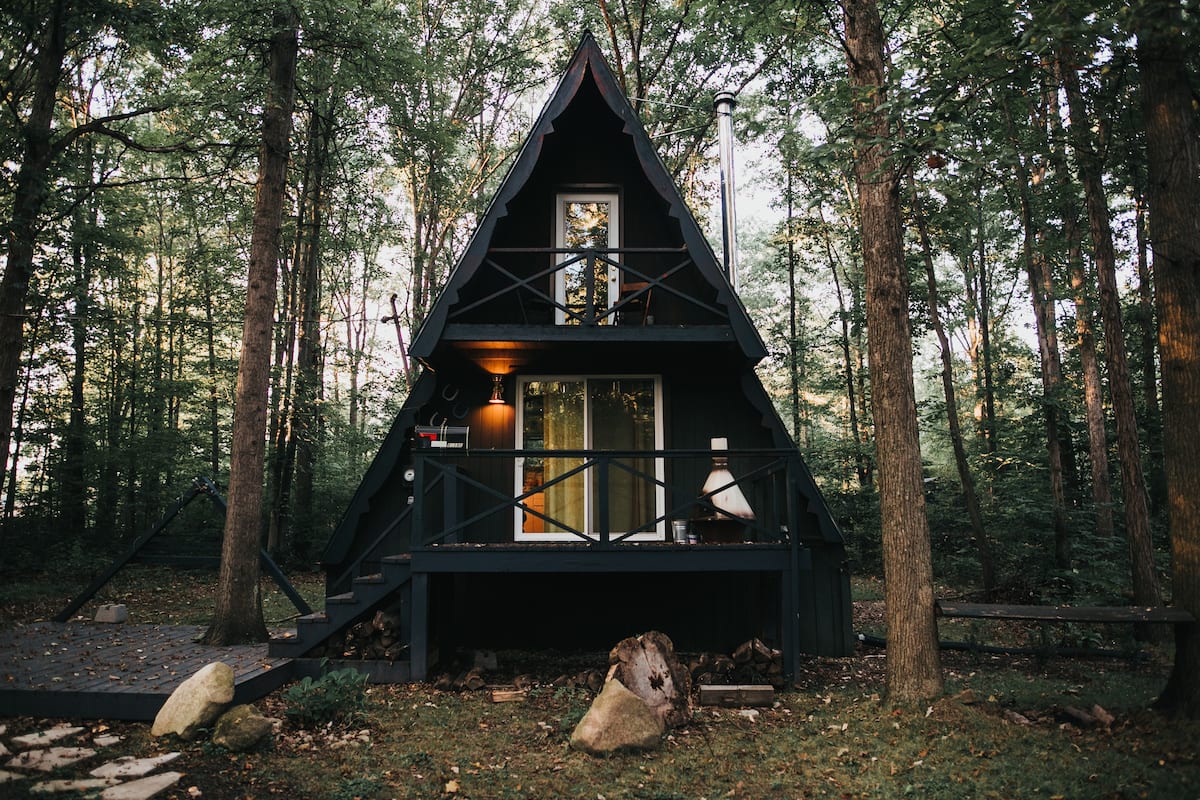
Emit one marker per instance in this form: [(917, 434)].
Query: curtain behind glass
[(622, 418)]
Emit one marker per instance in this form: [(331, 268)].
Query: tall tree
[(1085, 327), (1173, 195), (913, 662), (238, 615), (1146, 589), (966, 479)]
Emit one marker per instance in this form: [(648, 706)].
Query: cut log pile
[(751, 662), (379, 637)]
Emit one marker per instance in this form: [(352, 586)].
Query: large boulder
[(241, 728), (196, 702), (617, 720), (647, 666)]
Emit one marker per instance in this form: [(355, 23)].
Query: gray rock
[(142, 789), (241, 728), (112, 612), (9, 777), (72, 785), (196, 702), (50, 759), (617, 720), (130, 767), (46, 737)]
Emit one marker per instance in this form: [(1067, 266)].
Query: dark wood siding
[(699, 611)]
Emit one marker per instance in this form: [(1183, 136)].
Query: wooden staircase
[(394, 576)]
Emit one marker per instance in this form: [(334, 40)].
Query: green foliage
[(356, 788), (336, 696)]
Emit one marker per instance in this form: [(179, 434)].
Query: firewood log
[(473, 681)]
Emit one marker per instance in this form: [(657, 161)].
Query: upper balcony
[(561, 294)]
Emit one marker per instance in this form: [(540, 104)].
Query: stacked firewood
[(376, 638), (750, 662)]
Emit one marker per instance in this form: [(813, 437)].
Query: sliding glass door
[(616, 414)]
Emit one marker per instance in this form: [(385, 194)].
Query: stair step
[(398, 558), (315, 618), (374, 578), (340, 599)]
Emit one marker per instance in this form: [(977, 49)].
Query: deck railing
[(644, 273), (451, 505)]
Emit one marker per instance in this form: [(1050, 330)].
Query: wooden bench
[(1137, 615)]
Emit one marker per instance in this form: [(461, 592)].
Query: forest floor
[(1004, 729)]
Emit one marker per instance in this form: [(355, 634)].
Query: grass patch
[(832, 736)]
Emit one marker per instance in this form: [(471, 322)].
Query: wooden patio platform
[(103, 671)]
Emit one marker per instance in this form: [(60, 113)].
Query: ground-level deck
[(104, 671)]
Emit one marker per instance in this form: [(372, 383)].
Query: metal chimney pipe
[(723, 103)]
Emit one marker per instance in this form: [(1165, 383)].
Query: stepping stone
[(77, 785), (130, 767), (46, 736), (106, 740), (9, 777), (4, 751), (51, 758), (142, 789)]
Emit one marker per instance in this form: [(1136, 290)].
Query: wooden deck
[(103, 671)]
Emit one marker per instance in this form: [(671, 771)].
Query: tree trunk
[(1173, 195), (983, 548), (1085, 331), (1146, 589), (1041, 290), (985, 334), (29, 196), (306, 426), (861, 468), (73, 515), (238, 617), (1151, 417), (913, 661)]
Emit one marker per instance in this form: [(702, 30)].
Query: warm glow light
[(497, 397)]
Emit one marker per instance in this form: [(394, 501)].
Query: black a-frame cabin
[(556, 478)]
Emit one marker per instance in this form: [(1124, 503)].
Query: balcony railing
[(451, 505), (644, 275)]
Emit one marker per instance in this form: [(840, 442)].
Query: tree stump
[(647, 666)]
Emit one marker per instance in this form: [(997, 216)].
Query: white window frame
[(660, 496), (560, 241)]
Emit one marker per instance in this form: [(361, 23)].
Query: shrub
[(336, 695)]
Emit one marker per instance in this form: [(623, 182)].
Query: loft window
[(616, 414), (586, 221)]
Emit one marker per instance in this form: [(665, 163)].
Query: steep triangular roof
[(589, 62)]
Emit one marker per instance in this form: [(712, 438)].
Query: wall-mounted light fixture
[(497, 398)]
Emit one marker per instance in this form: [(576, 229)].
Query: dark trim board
[(641, 334), (96, 671), (619, 558)]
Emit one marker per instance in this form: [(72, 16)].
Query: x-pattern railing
[(436, 469), (590, 312)]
